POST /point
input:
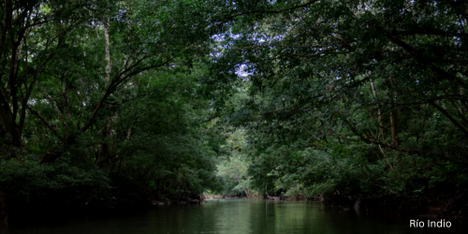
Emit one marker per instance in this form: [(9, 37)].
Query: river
[(241, 216)]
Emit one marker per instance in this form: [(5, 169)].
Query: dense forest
[(110, 104)]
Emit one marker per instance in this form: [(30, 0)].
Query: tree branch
[(416, 55), (273, 12), (372, 141), (450, 117), (43, 120)]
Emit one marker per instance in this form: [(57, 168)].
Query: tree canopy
[(99, 103), (116, 101), (358, 98)]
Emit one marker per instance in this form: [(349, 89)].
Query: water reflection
[(231, 216)]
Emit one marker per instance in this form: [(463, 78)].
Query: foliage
[(233, 166), (350, 98), (99, 102)]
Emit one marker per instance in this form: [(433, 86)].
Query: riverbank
[(217, 196), (454, 206), (63, 206)]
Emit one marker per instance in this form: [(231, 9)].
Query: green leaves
[(374, 86), (102, 93)]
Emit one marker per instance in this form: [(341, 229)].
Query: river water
[(241, 216)]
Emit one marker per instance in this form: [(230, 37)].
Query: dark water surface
[(234, 216)]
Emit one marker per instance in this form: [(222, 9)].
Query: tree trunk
[(379, 112), (9, 122), (394, 128), (104, 153), (105, 149), (245, 190), (393, 114)]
